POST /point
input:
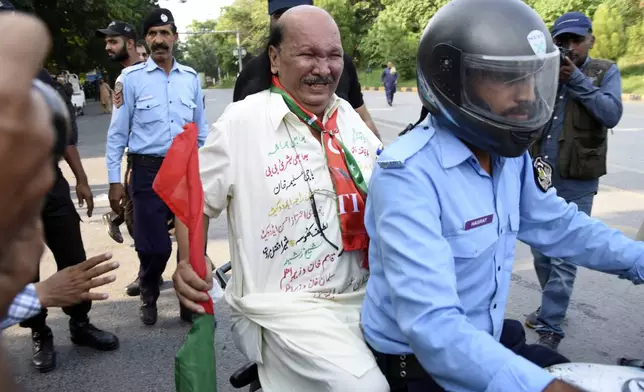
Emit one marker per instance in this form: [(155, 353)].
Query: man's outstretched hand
[(72, 285)]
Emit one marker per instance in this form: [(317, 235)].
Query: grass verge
[(632, 79), (373, 79), (226, 83)]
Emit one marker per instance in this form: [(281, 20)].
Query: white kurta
[(292, 295)]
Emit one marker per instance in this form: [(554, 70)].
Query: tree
[(73, 24), (365, 12), (550, 10), (609, 32), (200, 49), (345, 18), (250, 17), (389, 40)]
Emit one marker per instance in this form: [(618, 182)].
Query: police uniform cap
[(275, 6), (116, 28), (157, 17)]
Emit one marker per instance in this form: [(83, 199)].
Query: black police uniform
[(61, 226)]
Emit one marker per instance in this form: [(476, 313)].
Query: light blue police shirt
[(443, 235), (155, 108)]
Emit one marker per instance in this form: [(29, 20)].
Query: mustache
[(159, 46), (318, 80), (521, 109)]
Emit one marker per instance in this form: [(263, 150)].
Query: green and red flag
[(178, 184)]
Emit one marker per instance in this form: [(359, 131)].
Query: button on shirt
[(604, 102), (155, 108), (443, 235)]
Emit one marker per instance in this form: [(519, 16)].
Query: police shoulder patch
[(117, 97), (403, 148), (133, 68), (188, 69), (542, 173)]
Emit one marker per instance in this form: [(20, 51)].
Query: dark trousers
[(151, 214), (61, 225), (513, 338), (389, 92)]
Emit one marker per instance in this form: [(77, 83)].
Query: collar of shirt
[(151, 65), (585, 63), (278, 110), (452, 151)]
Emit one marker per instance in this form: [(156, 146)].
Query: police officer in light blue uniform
[(448, 200), (160, 96)]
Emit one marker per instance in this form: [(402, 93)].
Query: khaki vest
[(583, 143)]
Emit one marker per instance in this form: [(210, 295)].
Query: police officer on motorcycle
[(448, 200)]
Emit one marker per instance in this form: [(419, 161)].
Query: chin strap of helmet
[(423, 114)]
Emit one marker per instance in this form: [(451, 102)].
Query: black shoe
[(112, 230), (44, 359), (148, 314), (549, 339), (83, 333), (134, 290)]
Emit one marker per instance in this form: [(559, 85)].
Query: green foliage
[(377, 31), (73, 24), (635, 34), (609, 32), (345, 18), (365, 12), (389, 40), (633, 78), (550, 10), (199, 51), (251, 19)]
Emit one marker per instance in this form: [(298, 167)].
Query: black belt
[(399, 369), (145, 160)]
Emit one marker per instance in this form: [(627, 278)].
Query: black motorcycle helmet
[(488, 71)]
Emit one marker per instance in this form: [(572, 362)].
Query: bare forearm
[(183, 239), (73, 159)]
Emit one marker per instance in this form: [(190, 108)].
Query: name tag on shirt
[(474, 223)]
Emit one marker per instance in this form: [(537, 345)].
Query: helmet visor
[(512, 92)]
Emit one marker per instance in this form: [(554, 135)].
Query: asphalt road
[(604, 322)]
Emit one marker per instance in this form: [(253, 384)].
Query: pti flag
[(178, 184)]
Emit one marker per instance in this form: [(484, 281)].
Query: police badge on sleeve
[(117, 97), (542, 173)]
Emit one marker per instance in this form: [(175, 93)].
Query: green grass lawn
[(373, 79), (632, 79), (226, 83)]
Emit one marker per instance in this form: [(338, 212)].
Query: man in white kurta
[(295, 293)]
